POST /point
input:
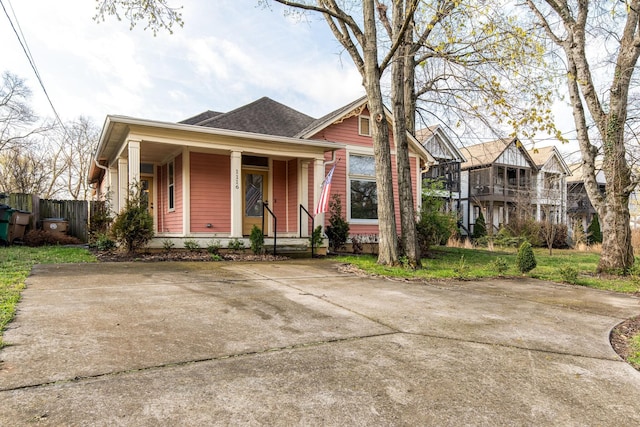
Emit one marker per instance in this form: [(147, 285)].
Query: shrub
[(257, 240), (479, 228), (594, 235), (569, 274), (133, 226), (316, 237), (100, 218), (526, 260), (167, 244), (103, 242), (434, 226), (356, 244), (338, 229), (525, 229), (500, 265), (191, 245), (462, 269), (505, 238), (213, 247), (236, 245)]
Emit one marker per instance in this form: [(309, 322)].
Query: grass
[(16, 263), (461, 263)]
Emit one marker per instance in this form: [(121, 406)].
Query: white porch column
[(123, 184), (236, 194), (134, 161), (318, 178), (303, 196), (186, 192), (112, 192)]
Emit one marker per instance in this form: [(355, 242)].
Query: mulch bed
[(621, 337), (120, 256)]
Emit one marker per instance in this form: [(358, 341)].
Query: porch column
[(236, 194), (186, 192), (318, 178), (123, 183), (112, 193), (303, 196), (134, 162)]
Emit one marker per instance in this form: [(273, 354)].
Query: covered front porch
[(208, 185)]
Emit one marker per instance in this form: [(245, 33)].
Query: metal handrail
[(302, 208), (275, 225)]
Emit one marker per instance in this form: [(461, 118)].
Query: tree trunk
[(388, 238), (403, 164)]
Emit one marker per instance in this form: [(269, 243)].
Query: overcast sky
[(229, 53)]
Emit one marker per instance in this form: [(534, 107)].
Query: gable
[(513, 156), (553, 165)]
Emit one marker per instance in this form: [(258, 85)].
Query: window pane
[(364, 126), (364, 200), (253, 195), (362, 165)]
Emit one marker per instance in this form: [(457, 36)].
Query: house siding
[(292, 201), (170, 221), (347, 132), (279, 203), (210, 193)]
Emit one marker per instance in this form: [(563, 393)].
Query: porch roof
[(117, 129)]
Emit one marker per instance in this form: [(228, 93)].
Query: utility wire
[(25, 48)]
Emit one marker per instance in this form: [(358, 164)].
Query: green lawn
[(460, 263), (15, 265)]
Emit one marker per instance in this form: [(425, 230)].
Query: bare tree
[(17, 120), (600, 92), (24, 170)]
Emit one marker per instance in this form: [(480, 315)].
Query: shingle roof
[(199, 118), (264, 116), (485, 153), (540, 156)]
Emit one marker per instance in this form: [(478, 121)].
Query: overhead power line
[(25, 48)]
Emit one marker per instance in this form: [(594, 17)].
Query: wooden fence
[(76, 212)]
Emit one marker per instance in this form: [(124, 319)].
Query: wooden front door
[(254, 188)]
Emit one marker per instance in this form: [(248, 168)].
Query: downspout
[(106, 171)]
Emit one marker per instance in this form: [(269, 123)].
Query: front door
[(147, 192), (254, 187)]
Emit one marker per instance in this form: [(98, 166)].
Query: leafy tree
[(338, 229), (603, 37), (434, 226), (480, 227), (594, 234), (133, 226), (526, 260)]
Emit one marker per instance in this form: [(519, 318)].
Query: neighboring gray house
[(550, 184)]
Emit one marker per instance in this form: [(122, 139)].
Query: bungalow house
[(448, 159), (496, 179), (216, 175), (550, 196)]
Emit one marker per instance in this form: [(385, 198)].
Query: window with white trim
[(362, 187), (171, 195), (364, 125)]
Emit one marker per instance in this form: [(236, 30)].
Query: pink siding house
[(213, 176)]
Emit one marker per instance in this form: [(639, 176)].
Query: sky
[(229, 53)]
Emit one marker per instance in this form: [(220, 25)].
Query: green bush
[(133, 226), (594, 234), (525, 229), (167, 245), (434, 226), (257, 240), (191, 245), (569, 274), (103, 242), (316, 237), (236, 245), (338, 229), (526, 260), (479, 228), (500, 265), (213, 247)]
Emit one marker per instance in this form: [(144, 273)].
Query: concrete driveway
[(302, 343)]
